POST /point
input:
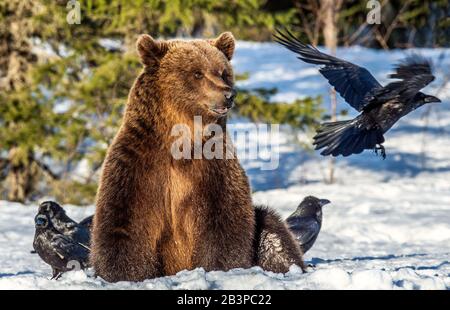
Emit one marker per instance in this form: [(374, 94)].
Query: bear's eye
[(198, 75), (224, 76)]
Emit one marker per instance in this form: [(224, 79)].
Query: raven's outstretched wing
[(414, 72), (355, 84)]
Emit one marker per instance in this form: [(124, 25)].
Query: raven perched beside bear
[(60, 241)]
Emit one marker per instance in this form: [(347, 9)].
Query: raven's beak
[(323, 202), (40, 221), (430, 99)]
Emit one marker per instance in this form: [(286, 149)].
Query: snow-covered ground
[(388, 226)]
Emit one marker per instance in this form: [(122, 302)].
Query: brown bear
[(157, 215)]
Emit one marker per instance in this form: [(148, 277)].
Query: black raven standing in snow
[(59, 251), (380, 106), (306, 221), (80, 232)]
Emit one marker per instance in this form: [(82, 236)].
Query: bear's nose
[(230, 95)]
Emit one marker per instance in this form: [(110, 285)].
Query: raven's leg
[(56, 274), (380, 148)]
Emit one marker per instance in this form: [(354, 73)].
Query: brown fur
[(275, 247), (156, 215)]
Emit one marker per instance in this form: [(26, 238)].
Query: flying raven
[(380, 106)]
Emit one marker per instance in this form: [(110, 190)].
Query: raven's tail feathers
[(346, 138)]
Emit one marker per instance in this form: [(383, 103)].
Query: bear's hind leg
[(275, 247)]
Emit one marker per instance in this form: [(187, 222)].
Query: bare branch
[(395, 22), (46, 169)]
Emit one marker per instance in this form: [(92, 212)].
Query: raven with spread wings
[(380, 106)]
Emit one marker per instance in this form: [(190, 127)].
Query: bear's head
[(193, 77)]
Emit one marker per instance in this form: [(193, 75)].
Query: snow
[(388, 226)]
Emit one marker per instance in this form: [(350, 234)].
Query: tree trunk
[(16, 184), (19, 181), (330, 10)]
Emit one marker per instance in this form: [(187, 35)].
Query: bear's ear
[(225, 43), (150, 51)]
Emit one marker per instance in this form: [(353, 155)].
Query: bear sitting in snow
[(157, 215)]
